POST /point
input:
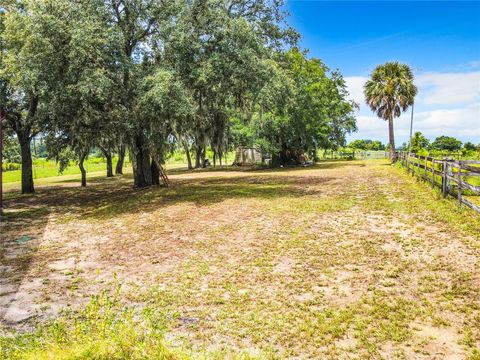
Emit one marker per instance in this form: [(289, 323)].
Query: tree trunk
[(275, 160), (120, 161), (27, 170), (108, 156), (142, 169), (82, 168), (200, 148), (203, 153), (283, 155), (391, 136), (187, 153), (155, 173), (197, 160), (109, 165), (315, 155), (198, 156)]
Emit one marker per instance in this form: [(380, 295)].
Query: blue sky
[(440, 40)]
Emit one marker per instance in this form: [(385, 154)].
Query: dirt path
[(343, 260)]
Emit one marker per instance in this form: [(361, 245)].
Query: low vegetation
[(344, 259), (44, 168), (103, 329), (146, 78), (352, 259)]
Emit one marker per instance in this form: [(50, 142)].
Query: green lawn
[(43, 168)]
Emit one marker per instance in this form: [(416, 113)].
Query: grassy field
[(343, 260), (43, 168)]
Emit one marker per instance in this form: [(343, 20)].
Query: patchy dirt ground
[(341, 260)]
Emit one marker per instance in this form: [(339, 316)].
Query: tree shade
[(151, 76)]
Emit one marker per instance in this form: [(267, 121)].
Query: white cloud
[(447, 104), (448, 88), (434, 88), (355, 88), (463, 123)]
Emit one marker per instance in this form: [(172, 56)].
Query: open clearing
[(342, 260)]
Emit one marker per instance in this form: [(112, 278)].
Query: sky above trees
[(439, 40)]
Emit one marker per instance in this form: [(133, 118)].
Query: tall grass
[(103, 329)]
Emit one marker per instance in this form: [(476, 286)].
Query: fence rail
[(352, 154), (451, 175)]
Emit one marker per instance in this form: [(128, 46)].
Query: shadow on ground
[(22, 226), (25, 219), (115, 196), (324, 164)]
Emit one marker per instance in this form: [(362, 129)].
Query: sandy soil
[(258, 259)]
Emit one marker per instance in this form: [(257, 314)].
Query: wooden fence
[(353, 154), (459, 178)]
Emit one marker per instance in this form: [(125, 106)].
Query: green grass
[(474, 180), (103, 329), (179, 157), (106, 329), (43, 168), (352, 259)]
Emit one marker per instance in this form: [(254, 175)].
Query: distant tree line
[(422, 146), (146, 77), (374, 145)]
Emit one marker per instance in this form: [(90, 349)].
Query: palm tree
[(389, 92)]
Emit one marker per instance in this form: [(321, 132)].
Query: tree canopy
[(446, 143), (301, 108), (374, 145), (469, 146), (419, 142), (147, 77)]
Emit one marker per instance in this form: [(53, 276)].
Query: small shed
[(248, 156)]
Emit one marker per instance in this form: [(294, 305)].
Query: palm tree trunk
[(391, 135)]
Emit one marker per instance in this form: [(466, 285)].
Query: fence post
[(444, 178), (459, 184), (449, 178), (433, 172)]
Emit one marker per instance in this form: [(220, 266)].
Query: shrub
[(11, 166)]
